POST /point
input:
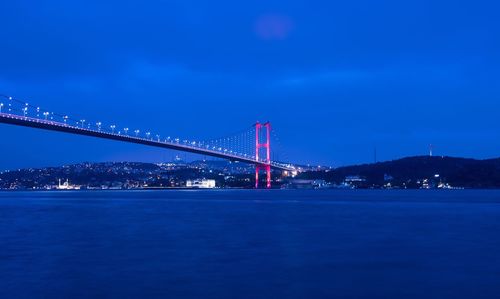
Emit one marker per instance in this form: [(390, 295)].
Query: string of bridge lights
[(238, 145)]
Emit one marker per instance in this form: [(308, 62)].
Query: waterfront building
[(202, 184)]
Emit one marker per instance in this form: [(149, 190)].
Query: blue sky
[(336, 78)]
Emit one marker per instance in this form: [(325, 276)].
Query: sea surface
[(250, 244)]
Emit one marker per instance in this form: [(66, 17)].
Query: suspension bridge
[(252, 146)]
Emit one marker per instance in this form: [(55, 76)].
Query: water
[(250, 244)]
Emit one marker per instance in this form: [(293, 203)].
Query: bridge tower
[(258, 146)]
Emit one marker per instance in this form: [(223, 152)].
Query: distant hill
[(411, 171)]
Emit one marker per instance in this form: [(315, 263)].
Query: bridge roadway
[(30, 122)]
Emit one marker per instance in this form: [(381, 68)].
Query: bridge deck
[(62, 127)]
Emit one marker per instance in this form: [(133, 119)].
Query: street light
[(46, 114), (1, 106), (10, 104), (25, 109), (126, 131), (148, 134), (112, 128), (99, 124), (158, 137), (65, 118), (83, 122), (137, 133)]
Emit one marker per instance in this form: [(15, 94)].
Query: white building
[(205, 184), (67, 186)]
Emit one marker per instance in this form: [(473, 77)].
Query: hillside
[(409, 172)]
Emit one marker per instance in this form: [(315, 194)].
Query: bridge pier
[(267, 168), (267, 146)]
